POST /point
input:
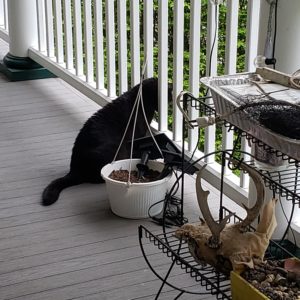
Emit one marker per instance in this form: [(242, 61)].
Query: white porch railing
[(99, 48)]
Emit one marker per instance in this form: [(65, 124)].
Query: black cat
[(99, 138)]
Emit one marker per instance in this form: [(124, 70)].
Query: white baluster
[(88, 41), (230, 62), (59, 49), (211, 70), (110, 36), (148, 37), (194, 61), (122, 30), (178, 39), (68, 35), (163, 64), (135, 41), (78, 37), (41, 25)]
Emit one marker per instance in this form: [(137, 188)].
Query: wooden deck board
[(75, 249)]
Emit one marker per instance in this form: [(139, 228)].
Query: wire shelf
[(285, 182), (206, 109), (208, 280), (214, 283)]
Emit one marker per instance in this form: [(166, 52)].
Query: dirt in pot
[(273, 280), (122, 175)]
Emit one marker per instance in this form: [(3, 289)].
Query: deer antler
[(215, 228), (253, 212)]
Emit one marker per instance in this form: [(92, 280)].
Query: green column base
[(22, 68)]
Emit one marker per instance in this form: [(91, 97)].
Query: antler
[(253, 212), (215, 228)]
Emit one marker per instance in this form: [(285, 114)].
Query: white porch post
[(287, 46), (287, 57), (22, 26), (23, 34)]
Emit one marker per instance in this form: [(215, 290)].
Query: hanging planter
[(134, 199)]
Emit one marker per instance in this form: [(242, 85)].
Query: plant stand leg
[(179, 295), (165, 279)]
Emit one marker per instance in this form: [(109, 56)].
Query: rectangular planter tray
[(243, 290), (225, 91)]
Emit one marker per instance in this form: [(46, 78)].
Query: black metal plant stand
[(213, 282), (205, 278)]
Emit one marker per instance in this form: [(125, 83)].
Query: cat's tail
[(52, 191)]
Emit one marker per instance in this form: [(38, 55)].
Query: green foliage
[(204, 56)]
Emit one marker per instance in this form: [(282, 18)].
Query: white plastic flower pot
[(133, 200)]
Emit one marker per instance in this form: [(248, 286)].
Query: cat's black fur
[(99, 138)]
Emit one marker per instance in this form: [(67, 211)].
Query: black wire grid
[(208, 280), (284, 183)]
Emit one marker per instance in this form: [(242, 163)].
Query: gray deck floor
[(76, 248)]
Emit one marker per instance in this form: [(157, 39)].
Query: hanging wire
[(169, 214), (196, 146), (289, 221), (149, 128), (134, 126), (126, 128), (213, 44), (214, 41), (269, 51), (275, 33), (137, 103)]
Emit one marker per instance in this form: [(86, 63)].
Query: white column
[(22, 18), (287, 45), (287, 55), (252, 33), (288, 42)]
